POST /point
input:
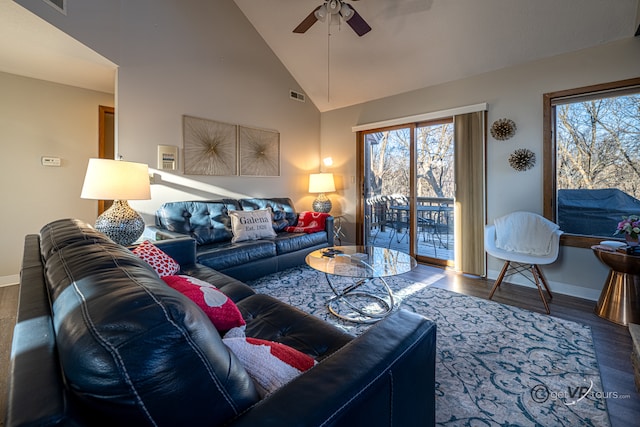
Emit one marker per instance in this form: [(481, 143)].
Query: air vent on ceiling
[(59, 5), (296, 95)]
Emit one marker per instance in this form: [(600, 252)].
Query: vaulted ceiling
[(419, 43), (412, 44)]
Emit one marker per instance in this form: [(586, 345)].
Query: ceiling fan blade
[(358, 24), (307, 22)]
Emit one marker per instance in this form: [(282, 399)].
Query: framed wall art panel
[(259, 152), (210, 147)]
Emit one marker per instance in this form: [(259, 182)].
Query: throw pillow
[(222, 312), (162, 263), (251, 225), (270, 364), (309, 222)]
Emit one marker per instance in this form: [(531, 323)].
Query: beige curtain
[(469, 135)]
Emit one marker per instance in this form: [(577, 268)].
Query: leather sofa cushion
[(130, 347), (226, 254), (267, 318), (284, 213), (291, 242), (65, 232), (206, 221)]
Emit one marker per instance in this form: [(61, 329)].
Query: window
[(592, 159)]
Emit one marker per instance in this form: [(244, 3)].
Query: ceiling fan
[(335, 9)]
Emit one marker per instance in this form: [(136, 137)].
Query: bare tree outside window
[(598, 144), (389, 161), (597, 163)]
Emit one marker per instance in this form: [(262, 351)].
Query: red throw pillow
[(270, 364), (222, 312), (309, 222), (162, 263)]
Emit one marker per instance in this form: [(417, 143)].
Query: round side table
[(620, 297)]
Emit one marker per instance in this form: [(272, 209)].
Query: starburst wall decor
[(259, 152), (503, 129), (223, 149), (522, 159), (210, 147)]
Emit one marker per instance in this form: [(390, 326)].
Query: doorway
[(408, 188), (106, 143)]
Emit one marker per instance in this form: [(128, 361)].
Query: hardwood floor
[(612, 342), (8, 311)]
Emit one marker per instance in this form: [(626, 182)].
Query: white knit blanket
[(525, 232)]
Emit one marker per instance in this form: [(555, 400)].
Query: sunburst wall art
[(259, 152), (210, 147)]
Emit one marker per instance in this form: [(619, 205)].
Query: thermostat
[(167, 157), (50, 161)]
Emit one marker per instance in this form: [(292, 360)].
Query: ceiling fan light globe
[(346, 11), (334, 6), (321, 13)]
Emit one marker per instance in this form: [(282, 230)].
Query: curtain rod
[(422, 117)]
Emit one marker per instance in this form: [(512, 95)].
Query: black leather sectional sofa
[(209, 224), (101, 340)]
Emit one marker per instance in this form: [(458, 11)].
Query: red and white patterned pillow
[(309, 222), (222, 312), (270, 364), (162, 263)]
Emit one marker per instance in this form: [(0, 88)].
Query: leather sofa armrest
[(35, 387), (328, 226), (158, 233), (384, 377), (182, 250)]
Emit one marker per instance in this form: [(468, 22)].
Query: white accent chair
[(525, 241)]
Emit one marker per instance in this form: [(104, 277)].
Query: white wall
[(39, 118), (204, 59), (194, 57), (515, 93)]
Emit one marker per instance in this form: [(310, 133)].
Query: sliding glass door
[(388, 188), (435, 191), (409, 189)]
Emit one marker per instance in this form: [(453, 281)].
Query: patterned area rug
[(496, 365)]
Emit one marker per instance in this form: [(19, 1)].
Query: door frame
[(106, 144)]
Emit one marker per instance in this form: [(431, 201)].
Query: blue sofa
[(208, 222), (101, 340)]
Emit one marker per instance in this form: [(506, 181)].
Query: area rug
[(496, 365)]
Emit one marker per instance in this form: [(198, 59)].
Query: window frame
[(549, 146)]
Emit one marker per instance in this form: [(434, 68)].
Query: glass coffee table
[(366, 265)]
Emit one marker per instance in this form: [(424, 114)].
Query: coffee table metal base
[(360, 307)]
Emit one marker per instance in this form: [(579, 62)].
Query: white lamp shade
[(116, 180), (321, 183)]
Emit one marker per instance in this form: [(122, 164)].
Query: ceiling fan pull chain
[(329, 60)]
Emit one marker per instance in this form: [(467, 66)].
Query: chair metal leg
[(500, 277), (538, 279)]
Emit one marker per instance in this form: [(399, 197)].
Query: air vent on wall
[(59, 5), (296, 95)]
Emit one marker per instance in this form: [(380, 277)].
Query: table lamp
[(321, 183), (119, 181)]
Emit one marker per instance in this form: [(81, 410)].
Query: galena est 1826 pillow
[(251, 225)]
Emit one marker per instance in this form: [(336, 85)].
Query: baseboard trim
[(9, 280), (556, 287)]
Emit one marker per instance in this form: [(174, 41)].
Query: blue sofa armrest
[(181, 249), (155, 232), (328, 226), (386, 376), (35, 379)]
